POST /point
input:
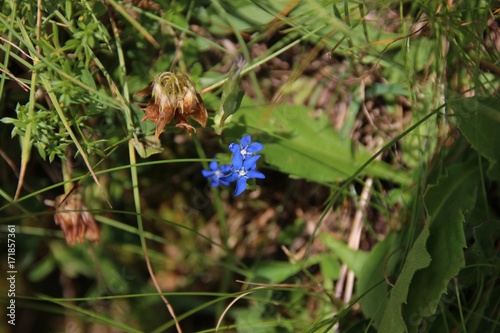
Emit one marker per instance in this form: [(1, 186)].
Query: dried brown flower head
[(74, 219), (173, 96)]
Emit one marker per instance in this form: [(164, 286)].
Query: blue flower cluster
[(242, 166)]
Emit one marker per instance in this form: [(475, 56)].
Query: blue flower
[(242, 172), (215, 174), (242, 168), (246, 149)]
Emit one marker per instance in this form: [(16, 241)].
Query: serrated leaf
[(437, 254), (418, 258), (445, 203)]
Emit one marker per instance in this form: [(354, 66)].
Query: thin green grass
[(411, 87)]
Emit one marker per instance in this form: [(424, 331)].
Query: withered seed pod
[(74, 219), (173, 96)]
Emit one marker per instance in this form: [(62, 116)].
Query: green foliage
[(478, 119), (402, 95), (437, 254)]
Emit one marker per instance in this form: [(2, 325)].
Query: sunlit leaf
[(302, 146), (354, 259)]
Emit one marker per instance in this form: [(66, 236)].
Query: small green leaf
[(147, 146), (85, 76), (41, 151), (8, 120)]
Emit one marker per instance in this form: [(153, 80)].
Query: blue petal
[(207, 173), (250, 162), (241, 185), (255, 174), (223, 182), (234, 148), (245, 141), (237, 161), (213, 165), (229, 178), (225, 168), (255, 147), (214, 182)]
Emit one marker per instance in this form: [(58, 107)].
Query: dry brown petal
[(146, 92), (163, 119), (74, 219), (187, 103), (199, 112), (152, 111), (173, 96), (181, 121)]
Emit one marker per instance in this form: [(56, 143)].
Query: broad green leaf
[(485, 247), (302, 146), (276, 271), (330, 269), (479, 120), (354, 259), (445, 203), (244, 16)]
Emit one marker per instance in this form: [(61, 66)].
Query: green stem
[(215, 194), (140, 227)]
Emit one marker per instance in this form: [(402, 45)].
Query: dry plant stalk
[(173, 96), (74, 219)]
